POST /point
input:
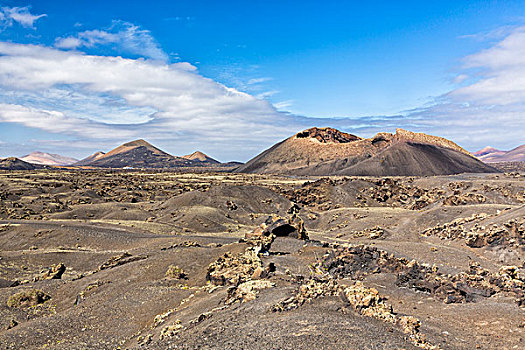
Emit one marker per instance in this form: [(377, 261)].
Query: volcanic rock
[(234, 269), (278, 226), (247, 291), (464, 199), (175, 272), (54, 272), (307, 292), (327, 135)]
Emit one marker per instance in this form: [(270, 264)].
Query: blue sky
[(231, 78)]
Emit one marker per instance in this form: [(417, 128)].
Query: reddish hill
[(43, 158), (486, 151), (201, 157), (492, 155)]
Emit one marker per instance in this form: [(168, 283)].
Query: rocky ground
[(158, 260)]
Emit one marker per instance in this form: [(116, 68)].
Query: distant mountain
[(13, 163), (135, 154), (232, 164), (486, 151), (492, 155), (201, 157), (90, 159), (142, 154), (327, 151), (43, 158)]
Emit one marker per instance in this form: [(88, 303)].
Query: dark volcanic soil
[(137, 260)]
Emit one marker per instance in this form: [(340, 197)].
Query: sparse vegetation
[(175, 272), (27, 298)]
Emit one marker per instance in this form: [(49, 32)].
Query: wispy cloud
[(283, 104), (493, 34), (20, 15), (460, 78), (266, 94), (488, 106), (501, 71), (125, 36), (258, 80)]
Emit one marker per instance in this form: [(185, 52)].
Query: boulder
[(278, 226)]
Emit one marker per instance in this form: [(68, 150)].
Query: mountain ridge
[(142, 154)]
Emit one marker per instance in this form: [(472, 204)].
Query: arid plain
[(112, 259)]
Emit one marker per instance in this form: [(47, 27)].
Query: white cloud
[(124, 36), (82, 104), (21, 15), (266, 94), (258, 80), (490, 108), (69, 92), (107, 100), (460, 78), (54, 121), (69, 42), (493, 34), (501, 71), (283, 104)]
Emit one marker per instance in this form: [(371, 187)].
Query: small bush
[(27, 298), (175, 272)]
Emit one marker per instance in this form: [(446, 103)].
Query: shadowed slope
[(13, 163)]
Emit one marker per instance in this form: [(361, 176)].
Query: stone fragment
[(54, 272)]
